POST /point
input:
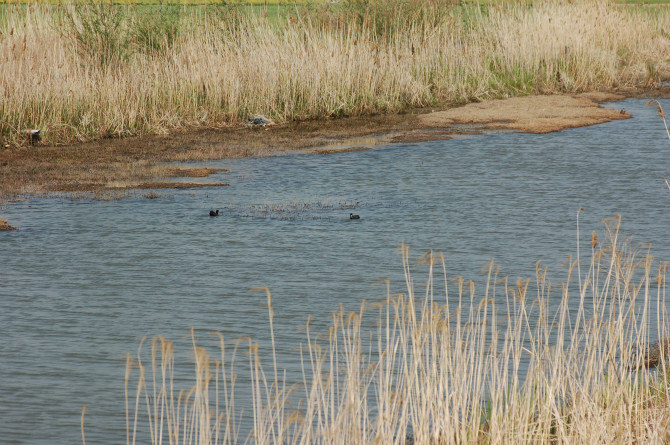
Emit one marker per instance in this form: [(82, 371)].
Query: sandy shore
[(532, 114), (114, 166)]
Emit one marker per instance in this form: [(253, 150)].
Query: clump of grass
[(98, 31), (517, 362), (385, 19), (87, 71), (104, 33)]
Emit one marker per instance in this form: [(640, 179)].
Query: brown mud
[(144, 162)]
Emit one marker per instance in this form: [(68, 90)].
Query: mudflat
[(113, 165)]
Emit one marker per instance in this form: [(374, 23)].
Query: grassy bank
[(515, 362), (81, 72)]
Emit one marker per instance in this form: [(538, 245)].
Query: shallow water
[(83, 281)]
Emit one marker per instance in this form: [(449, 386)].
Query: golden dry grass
[(504, 364), (218, 71)]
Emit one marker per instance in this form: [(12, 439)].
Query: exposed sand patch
[(195, 172), (532, 114), (146, 185), (177, 185)]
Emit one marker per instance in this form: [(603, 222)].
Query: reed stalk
[(661, 114), (519, 362)]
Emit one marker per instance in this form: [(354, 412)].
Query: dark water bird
[(352, 216), (213, 213)]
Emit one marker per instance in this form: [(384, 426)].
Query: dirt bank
[(136, 163)]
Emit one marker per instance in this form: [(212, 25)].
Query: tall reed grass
[(515, 362), (83, 71)]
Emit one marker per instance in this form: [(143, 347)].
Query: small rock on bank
[(259, 121)]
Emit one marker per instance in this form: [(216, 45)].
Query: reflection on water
[(82, 282)]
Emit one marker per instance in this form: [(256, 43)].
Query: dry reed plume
[(520, 362), (661, 114), (213, 69)]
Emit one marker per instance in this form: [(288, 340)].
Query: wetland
[(85, 280)]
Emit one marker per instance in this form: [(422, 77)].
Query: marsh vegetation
[(115, 271), (85, 71), (497, 364), (494, 365)]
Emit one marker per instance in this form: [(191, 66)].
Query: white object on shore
[(32, 135), (259, 121)]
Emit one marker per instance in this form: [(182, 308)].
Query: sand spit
[(531, 114)]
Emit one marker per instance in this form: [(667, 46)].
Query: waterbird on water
[(213, 213), (352, 216)]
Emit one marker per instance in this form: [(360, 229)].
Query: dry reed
[(520, 362), (661, 114), (219, 68)]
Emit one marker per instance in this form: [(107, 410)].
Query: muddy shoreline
[(116, 165)]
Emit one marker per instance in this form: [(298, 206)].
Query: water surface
[(83, 281)]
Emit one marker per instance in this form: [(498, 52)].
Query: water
[(83, 281)]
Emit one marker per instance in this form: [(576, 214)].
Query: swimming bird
[(352, 216), (213, 213)]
